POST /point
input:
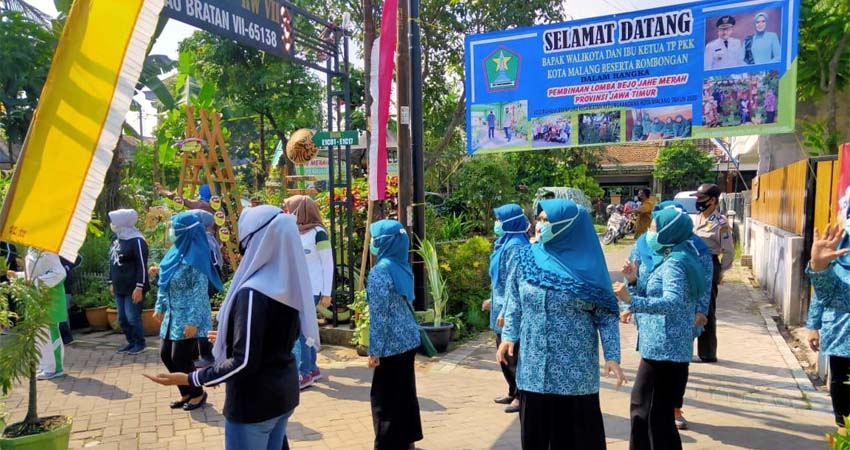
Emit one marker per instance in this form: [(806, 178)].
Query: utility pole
[(417, 152), (405, 167)]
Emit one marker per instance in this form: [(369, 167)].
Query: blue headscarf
[(675, 229), (204, 193), (393, 246), (515, 225), (574, 255), (208, 221), (646, 253), (190, 247)]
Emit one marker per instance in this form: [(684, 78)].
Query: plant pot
[(97, 317), (56, 439), (149, 324), (440, 336), (112, 318), (343, 314), (362, 351)]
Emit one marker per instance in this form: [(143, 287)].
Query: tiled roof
[(631, 155)]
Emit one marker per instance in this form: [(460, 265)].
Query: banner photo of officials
[(699, 70)]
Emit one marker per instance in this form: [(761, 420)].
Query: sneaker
[(136, 350), (125, 348), (316, 375), (49, 375), (681, 423), (304, 381)]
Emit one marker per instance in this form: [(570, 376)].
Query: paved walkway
[(749, 400)]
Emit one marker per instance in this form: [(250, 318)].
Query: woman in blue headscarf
[(762, 47), (665, 305), (511, 229), (185, 278), (393, 339), (642, 259), (559, 303), (208, 222), (829, 312)]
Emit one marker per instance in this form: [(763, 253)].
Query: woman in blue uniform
[(511, 227), (558, 303), (393, 339), (665, 305)]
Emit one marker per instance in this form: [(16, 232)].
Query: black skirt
[(395, 408), (658, 387), (561, 422)]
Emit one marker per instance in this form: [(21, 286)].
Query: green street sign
[(336, 138)]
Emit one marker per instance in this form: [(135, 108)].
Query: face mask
[(537, 228), (497, 228), (172, 236), (702, 206), (847, 225), (373, 250), (113, 227), (652, 241), (546, 233)]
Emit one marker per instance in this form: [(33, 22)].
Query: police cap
[(725, 22), (707, 190)]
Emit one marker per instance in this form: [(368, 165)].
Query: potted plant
[(149, 324), (439, 332), (19, 358), (360, 307), (112, 316), (95, 301)]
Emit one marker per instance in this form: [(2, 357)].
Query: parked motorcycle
[(617, 223)]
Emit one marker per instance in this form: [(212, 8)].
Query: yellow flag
[(77, 124)]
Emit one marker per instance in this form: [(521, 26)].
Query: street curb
[(818, 401), (451, 360)]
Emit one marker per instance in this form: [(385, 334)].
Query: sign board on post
[(336, 138), (253, 23), (709, 69)]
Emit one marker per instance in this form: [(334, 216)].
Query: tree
[(481, 184), (26, 49), (683, 166), (824, 65), (283, 95)]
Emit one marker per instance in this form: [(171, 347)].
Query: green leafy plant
[(19, 355), (839, 441), (96, 295), (466, 266), (436, 283), (361, 319)]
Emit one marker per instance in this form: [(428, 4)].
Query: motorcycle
[(617, 223)]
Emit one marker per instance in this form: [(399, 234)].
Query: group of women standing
[(553, 302)]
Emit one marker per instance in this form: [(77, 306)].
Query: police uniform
[(723, 54), (717, 235)]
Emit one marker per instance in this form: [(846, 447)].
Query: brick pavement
[(750, 399)]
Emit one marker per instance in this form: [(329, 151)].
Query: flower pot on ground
[(97, 319), (57, 436), (343, 314), (149, 324), (440, 335), (112, 318), (20, 354)]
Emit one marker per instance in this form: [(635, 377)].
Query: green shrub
[(95, 253), (466, 268)]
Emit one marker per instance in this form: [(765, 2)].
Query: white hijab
[(124, 224), (274, 265)]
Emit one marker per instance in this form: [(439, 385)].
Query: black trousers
[(509, 369), (839, 369), (707, 341), (179, 356), (395, 407), (658, 385), (561, 422)]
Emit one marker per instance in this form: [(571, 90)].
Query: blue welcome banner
[(698, 70)]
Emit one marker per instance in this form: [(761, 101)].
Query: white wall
[(777, 266)]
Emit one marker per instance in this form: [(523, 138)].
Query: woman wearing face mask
[(643, 258), (186, 276), (559, 303), (258, 325), (208, 222), (511, 227), (829, 313), (762, 47), (320, 261), (665, 305), (128, 277), (393, 339)]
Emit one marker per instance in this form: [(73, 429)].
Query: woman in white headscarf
[(128, 277), (270, 300)]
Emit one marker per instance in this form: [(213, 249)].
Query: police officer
[(725, 51), (714, 230)]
